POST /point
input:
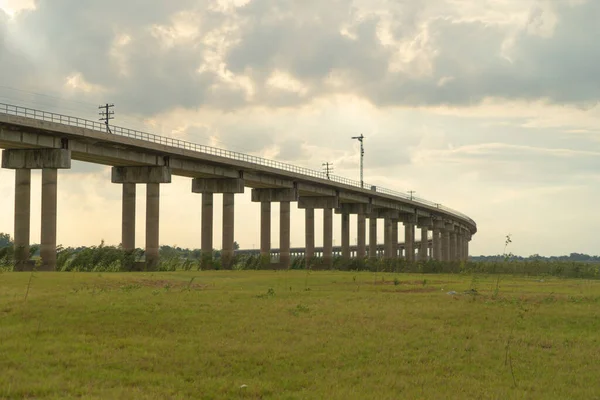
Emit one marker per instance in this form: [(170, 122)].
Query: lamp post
[(362, 153)]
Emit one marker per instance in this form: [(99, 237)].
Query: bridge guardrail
[(10, 109)]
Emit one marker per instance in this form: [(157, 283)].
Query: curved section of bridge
[(34, 139)]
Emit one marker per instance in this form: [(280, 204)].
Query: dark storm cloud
[(464, 60), (467, 57), (305, 42), (560, 68), (78, 37)]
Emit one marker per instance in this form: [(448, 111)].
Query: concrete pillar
[(309, 234), (373, 237), (446, 245), (48, 239), (409, 241), (361, 232), (452, 255), (328, 236), (284, 234), (424, 244), (345, 235), (394, 238), (387, 237), (437, 244), (152, 224), (22, 217), (207, 230), (265, 231), (227, 252), (459, 246), (128, 217), (438, 239)]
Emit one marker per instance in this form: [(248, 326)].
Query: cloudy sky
[(489, 106)]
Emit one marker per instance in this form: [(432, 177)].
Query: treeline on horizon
[(573, 257), (104, 258)]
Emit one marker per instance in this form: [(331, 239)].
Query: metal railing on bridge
[(182, 144)]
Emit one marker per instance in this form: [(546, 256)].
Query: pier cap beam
[(36, 159), (319, 202), (439, 224), (307, 189), (141, 174), (354, 208), (217, 185), (408, 218), (385, 213), (425, 223), (274, 195)]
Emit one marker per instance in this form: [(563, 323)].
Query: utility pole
[(411, 194), (106, 115), (362, 154), (328, 167)]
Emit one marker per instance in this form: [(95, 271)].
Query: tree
[(236, 246), (5, 240)]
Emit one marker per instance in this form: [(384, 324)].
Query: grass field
[(297, 335)]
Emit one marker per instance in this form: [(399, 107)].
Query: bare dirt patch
[(409, 283), (143, 283), (413, 290)]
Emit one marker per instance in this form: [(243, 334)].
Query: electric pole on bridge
[(106, 115), (328, 168), (362, 154), (411, 192)]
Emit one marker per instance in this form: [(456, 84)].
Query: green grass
[(293, 335)]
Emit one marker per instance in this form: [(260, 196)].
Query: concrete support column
[(265, 231), (207, 230), (409, 241), (468, 239), (328, 236), (152, 224), (48, 239), (309, 234), (128, 217), (361, 233), (49, 161), (284, 234), (395, 240), (22, 216), (437, 244), (373, 237), (387, 238), (459, 246), (152, 176), (438, 229), (452, 254), (445, 245), (424, 244), (228, 230), (345, 235)]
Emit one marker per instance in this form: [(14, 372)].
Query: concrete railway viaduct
[(34, 139)]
